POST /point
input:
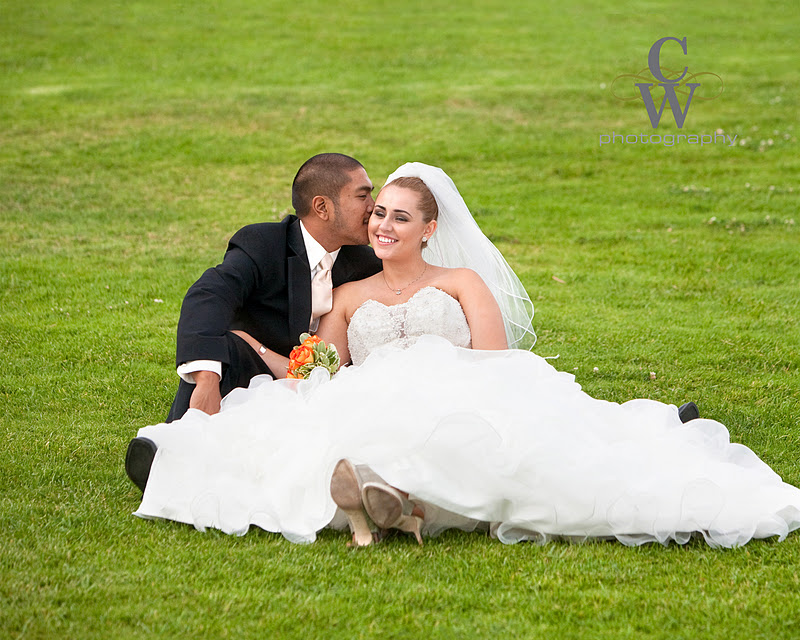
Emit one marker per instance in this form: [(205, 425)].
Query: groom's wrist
[(187, 370), (206, 378)]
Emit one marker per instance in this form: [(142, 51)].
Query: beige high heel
[(389, 509), (347, 483)]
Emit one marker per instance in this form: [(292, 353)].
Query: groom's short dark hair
[(325, 174)]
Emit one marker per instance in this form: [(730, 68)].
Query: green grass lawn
[(135, 138)]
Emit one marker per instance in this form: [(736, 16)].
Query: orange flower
[(301, 355), (312, 352)]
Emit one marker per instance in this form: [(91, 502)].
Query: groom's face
[(353, 209)]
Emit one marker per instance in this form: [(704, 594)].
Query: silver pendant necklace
[(397, 292)]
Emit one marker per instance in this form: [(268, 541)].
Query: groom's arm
[(210, 307), (207, 311)]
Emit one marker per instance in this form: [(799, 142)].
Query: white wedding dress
[(496, 438)]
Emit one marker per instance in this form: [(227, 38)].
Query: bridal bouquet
[(311, 353)]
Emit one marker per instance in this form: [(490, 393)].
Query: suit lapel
[(298, 278)]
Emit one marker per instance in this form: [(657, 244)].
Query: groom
[(274, 283)]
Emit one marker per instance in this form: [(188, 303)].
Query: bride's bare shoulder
[(460, 276), (462, 283), (351, 295), (354, 286)]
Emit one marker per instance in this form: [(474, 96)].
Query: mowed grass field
[(135, 138)]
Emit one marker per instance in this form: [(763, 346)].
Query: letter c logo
[(654, 61)]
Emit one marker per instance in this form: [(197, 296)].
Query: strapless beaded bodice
[(430, 311)]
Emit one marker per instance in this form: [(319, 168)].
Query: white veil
[(459, 242)]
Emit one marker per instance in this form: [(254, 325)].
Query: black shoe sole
[(139, 459)]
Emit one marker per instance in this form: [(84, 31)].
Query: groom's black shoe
[(139, 459), (688, 411)]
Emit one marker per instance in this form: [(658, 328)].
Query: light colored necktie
[(322, 289)]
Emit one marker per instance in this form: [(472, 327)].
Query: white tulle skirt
[(497, 439)]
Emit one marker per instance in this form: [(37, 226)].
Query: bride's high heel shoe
[(389, 509), (347, 483)]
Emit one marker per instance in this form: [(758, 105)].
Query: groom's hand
[(206, 395)]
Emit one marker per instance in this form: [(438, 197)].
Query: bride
[(439, 424)]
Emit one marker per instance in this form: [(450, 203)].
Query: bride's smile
[(397, 227)]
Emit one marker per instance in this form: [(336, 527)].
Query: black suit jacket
[(263, 287)]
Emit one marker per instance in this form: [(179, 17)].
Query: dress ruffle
[(482, 438)]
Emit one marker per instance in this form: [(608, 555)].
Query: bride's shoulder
[(461, 283), (355, 286), (466, 286), (351, 295), (460, 277)]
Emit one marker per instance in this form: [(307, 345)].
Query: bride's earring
[(424, 239)]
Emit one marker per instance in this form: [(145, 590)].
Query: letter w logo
[(670, 96)]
